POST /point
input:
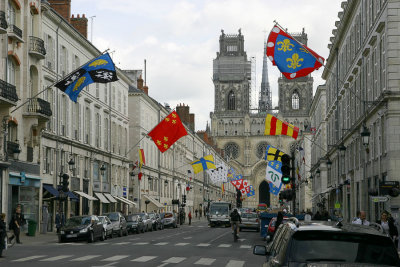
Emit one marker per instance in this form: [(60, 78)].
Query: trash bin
[(32, 228)]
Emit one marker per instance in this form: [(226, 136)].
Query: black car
[(156, 221), (134, 224), (86, 227), (328, 243)]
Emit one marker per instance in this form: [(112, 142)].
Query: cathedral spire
[(265, 101)]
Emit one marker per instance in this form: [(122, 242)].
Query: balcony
[(3, 22), (15, 33), (12, 147), (36, 47), (38, 108), (8, 95)]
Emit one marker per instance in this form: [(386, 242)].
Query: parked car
[(328, 244), (134, 224), (107, 225), (169, 219), (82, 228), (271, 227), (156, 221), (118, 223), (148, 224), (250, 220)]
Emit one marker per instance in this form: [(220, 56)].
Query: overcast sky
[(179, 40)]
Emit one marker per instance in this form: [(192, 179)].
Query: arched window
[(231, 101), (295, 101), (231, 151)]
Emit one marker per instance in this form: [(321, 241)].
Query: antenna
[(91, 28), (145, 72)]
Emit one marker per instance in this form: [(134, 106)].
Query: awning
[(85, 195), (110, 198), (101, 197), (327, 190), (126, 201), (51, 190), (155, 202), (72, 196)]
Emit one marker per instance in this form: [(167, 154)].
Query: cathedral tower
[(265, 100)]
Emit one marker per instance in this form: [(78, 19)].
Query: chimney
[(140, 83), (187, 118), (80, 24), (146, 89), (62, 7)]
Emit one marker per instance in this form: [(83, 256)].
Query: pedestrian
[(196, 211), (190, 217), (387, 223), (279, 220), (16, 223), (361, 218), (60, 221), (3, 234), (200, 212), (317, 216)]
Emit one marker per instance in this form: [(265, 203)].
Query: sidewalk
[(50, 237)]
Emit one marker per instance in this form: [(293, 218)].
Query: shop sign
[(23, 176), (124, 191), (337, 205), (379, 199)]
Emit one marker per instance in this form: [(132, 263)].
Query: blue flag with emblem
[(98, 70), (204, 163), (274, 175), (292, 58)]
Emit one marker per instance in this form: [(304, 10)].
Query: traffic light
[(280, 198), (184, 199), (394, 192), (285, 169), (65, 182), (287, 194)]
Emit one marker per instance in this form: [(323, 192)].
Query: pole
[(293, 183)]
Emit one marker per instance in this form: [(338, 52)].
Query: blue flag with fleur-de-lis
[(293, 59)]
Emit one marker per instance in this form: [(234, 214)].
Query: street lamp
[(342, 150), (329, 164), (71, 164), (365, 136), (102, 169), (16, 150), (147, 202)]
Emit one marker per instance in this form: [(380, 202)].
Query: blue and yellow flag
[(203, 164), (98, 70), (272, 153)]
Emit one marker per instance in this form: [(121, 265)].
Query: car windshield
[(317, 246), (142, 215), (102, 219), (168, 215), (131, 218), (162, 215), (151, 215), (76, 221), (219, 210), (113, 216)]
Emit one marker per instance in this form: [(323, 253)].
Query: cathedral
[(239, 130)]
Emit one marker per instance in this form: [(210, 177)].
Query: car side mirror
[(260, 250)]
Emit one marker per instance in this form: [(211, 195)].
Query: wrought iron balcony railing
[(36, 45), (8, 91), (3, 21), (17, 31), (38, 105)]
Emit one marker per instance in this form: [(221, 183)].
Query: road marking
[(233, 263), (144, 258), (181, 244), (245, 246), (31, 258), (122, 243), (227, 232), (225, 245), (189, 237), (141, 243), (56, 258), (205, 261), (101, 244), (203, 245), (115, 258), (174, 260), (85, 258), (72, 244), (133, 239), (241, 240), (161, 244)]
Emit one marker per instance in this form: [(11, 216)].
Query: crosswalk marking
[(101, 244), (115, 258), (144, 258), (71, 244), (31, 258), (205, 261), (189, 237), (85, 258), (233, 263), (122, 243), (203, 245), (241, 240), (181, 244), (56, 258), (161, 244), (245, 246), (141, 243), (174, 260), (225, 245)]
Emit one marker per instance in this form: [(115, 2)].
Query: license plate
[(248, 224), (74, 235)]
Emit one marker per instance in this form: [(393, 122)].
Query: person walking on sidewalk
[(196, 211), (16, 223), (190, 217), (60, 221), (3, 233)]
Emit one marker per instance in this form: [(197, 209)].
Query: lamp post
[(16, 150), (365, 134), (147, 202)]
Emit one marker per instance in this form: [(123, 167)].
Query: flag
[(251, 192), (98, 70), (273, 189), (274, 173), (219, 174), (298, 172), (222, 188), (272, 153), (231, 174), (142, 160), (167, 132), (140, 176), (293, 59), (302, 153), (205, 163), (274, 126)]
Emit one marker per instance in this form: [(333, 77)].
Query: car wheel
[(143, 230), (103, 236), (60, 239), (126, 232), (137, 230), (120, 232), (240, 229), (91, 237), (111, 235)]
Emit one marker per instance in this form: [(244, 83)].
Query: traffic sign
[(379, 199)]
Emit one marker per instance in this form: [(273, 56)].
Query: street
[(185, 246)]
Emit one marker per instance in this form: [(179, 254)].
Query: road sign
[(379, 199)]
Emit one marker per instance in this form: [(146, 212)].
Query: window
[(231, 101), (11, 72), (11, 14), (105, 133), (231, 151), (261, 148), (295, 101), (231, 48)]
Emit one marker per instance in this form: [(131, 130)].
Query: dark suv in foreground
[(328, 244)]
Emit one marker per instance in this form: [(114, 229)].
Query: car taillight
[(256, 220)]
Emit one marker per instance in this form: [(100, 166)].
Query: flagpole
[(32, 97)]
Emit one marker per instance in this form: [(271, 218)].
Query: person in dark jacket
[(235, 219), (388, 226), (279, 220), (16, 223), (3, 233)]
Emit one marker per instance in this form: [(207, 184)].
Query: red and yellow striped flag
[(274, 126), (142, 160)]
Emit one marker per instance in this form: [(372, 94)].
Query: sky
[(179, 40)]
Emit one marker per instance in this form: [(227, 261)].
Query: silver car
[(148, 224), (118, 223), (250, 220), (107, 225)]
